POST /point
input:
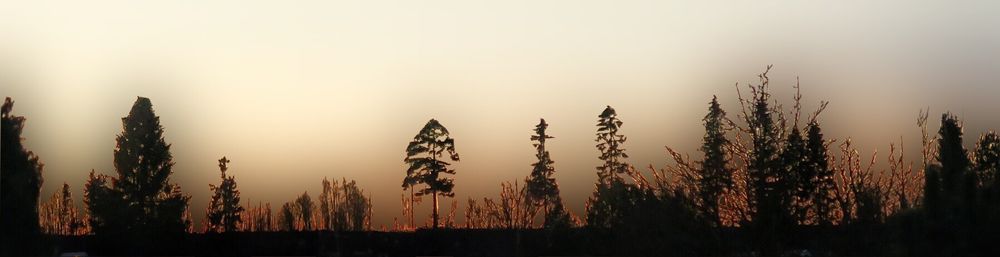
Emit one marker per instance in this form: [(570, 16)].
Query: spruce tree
[(140, 204), (817, 158), (795, 181), (224, 211), (20, 186), (716, 176), (956, 197), (427, 159), (541, 186), (952, 156), (764, 166)]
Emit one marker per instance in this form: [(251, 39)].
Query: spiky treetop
[(951, 154), (817, 159), (715, 175), (609, 142), (542, 187), (224, 211), (141, 199)]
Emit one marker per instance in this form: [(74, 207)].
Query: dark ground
[(467, 242)]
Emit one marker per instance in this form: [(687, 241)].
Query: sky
[(295, 91)]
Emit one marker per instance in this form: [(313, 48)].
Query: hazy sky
[(294, 91)]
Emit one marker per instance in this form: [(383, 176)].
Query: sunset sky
[(294, 91)]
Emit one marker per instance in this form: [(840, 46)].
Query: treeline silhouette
[(768, 183)]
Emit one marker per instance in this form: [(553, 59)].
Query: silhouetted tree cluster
[(258, 219), (765, 185), (960, 192), (59, 216), (344, 207), (20, 186)]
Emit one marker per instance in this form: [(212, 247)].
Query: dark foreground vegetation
[(767, 183), (487, 242)]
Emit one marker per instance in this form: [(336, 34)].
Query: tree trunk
[(411, 209), (435, 210)]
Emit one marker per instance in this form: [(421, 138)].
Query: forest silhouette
[(769, 183)]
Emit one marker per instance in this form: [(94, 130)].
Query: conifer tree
[(612, 198), (716, 176), (795, 183), (610, 143), (987, 160), (541, 186), (427, 160), (224, 211), (20, 186), (953, 196), (140, 203), (764, 166), (822, 176), (952, 156)]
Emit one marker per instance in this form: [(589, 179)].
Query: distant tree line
[(767, 181)]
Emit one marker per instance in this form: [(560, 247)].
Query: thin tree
[(541, 186), (20, 185), (224, 211), (427, 157)]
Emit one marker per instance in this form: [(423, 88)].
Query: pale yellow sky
[(293, 91)]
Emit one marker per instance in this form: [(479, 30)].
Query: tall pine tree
[(427, 157)]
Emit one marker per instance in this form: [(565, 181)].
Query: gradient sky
[(294, 91)]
